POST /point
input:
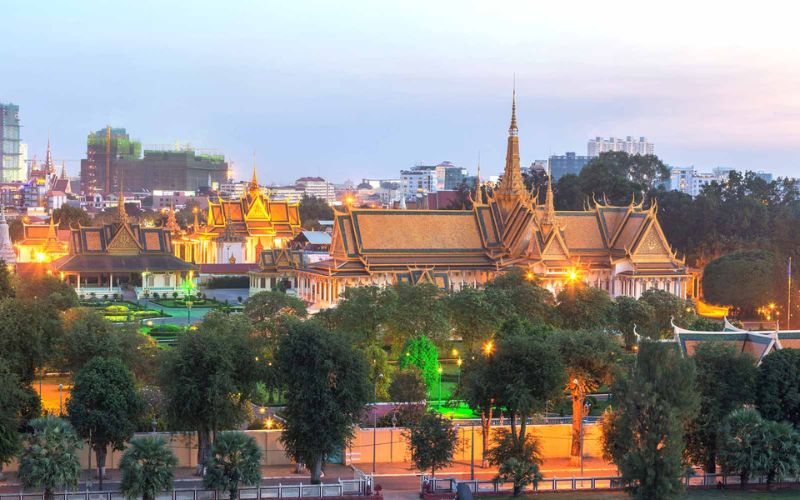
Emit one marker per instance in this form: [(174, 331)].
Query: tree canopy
[(147, 468), (49, 457), (324, 404), (747, 280)]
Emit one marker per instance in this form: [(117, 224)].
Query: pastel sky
[(356, 89)]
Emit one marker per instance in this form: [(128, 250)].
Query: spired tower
[(6, 249), (512, 187)]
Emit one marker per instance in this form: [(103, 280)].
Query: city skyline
[(341, 92)]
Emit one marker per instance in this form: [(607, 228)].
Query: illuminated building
[(101, 260), (237, 231), (620, 249), (42, 242)]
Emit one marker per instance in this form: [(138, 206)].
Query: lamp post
[(60, 399), (440, 386), (459, 362), (188, 313), (472, 453), (375, 421)]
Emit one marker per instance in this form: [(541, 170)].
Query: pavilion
[(104, 260)]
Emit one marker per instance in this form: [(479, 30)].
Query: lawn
[(691, 495)]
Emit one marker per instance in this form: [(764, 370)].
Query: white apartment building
[(317, 187), (628, 145)]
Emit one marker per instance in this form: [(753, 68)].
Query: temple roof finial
[(549, 203), (478, 190), (123, 216), (512, 183), (512, 129)]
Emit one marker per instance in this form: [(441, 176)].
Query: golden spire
[(512, 183), (48, 162), (195, 210), (549, 204), (63, 170), (51, 231), (254, 188), (121, 214), (172, 223), (478, 190)]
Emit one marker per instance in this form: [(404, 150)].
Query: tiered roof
[(758, 343), (254, 214), (510, 228)]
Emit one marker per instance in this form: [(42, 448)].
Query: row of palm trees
[(49, 461)]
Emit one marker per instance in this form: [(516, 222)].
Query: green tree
[(324, 404), (520, 473), (235, 460), (515, 296), (738, 447), (629, 313), (583, 307), (407, 386), (725, 381), (6, 286), (589, 358), (778, 386), (264, 307), (568, 194), (472, 316), (379, 370), (479, 391), (432, 442), (745, 279), (18, 403), (104, 407), (26, 332), (361, 313), (49, 457), (147, 468), (666, 308), (313, 210), (420, 352), (644, 435), (68, 217), (87, 335), (414, 310), (780, 451), (207, 379), (528, 373), (51, 292)]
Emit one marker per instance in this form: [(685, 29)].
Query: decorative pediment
[(124, 242), (653, 244), (555, 247), (257, 210)]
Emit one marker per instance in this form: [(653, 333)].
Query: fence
[(450, 485), (345, 487)]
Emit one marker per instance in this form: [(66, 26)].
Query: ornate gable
[(652, 245), (124, 242), (555, 248), (257, 210)]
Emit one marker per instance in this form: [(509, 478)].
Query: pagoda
[(620, 249)]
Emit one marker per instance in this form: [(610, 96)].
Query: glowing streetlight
[(455, 352), (488, 347)]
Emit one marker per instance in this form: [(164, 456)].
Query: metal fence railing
[(448, 485), (344, 487)]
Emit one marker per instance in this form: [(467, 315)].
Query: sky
[(355, 89)]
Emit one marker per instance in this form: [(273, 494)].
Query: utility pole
[(789, 296), (472, 459)]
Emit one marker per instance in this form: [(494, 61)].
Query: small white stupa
[(6, 249)]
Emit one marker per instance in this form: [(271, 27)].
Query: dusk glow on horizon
[(353, 89)]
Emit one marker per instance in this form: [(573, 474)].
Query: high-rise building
[(628, 145), (103, 149), (112, 156), (568, 163), (12, 162), (431, 178)]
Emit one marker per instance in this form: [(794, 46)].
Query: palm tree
[(49, 457), (235, 458), (147, 468)]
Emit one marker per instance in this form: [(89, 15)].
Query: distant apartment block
[(688, 180), (317, 187), (628, 145), (12, 151), (568, 163), (431, 178)]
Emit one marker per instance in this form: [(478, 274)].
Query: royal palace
[(620, 249)]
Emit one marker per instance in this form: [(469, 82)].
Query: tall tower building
[(103, 150), (12, 164)]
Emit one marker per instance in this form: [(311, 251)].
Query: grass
[(698, 494)]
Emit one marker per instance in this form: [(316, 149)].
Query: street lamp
[(188, 312), (440, 386), (375, 421), (459, 362), (60, 399)]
